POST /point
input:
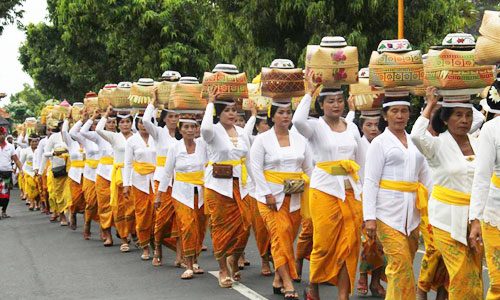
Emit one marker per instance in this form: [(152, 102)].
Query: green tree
[(10, 11), (27, 103)]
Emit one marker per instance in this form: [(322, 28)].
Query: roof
[(4, 114), (4, 122)]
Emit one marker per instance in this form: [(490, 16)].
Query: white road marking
[(242, 289)]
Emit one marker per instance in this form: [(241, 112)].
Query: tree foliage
[(27, 103), (9, 11), (92, 42)]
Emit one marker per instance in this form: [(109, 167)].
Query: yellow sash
[(280, 177), (409, 187), (77, 163), (450, 196), (495, 180), (92, 163), (190, 177), (106, 160), (143, 168), (116, 179), (234, 163), (161, 161), (340, 167)]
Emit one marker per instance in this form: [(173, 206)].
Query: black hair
[(321, 99), (257, 122), (270, 122), (163, 115), (136, 123), (489, 116), (33, 136), (219, 108), (439, 118)]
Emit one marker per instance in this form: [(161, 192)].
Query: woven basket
[(254, 95), (451, 69), (281, 84), (187, 97), (140, 95), (229, 86), (119, 97), (91, 104), (59, 112), (332, 66), (164, 89), (396, 69), (104, 98), (44, 113), (366, 97)]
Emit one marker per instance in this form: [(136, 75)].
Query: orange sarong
[(400, 251), (89, 193), (305, 239), (77, 199), (189, 224), (337, 236), (283, 227), (165, 223), (124, 214), (229, 233), (262, 237), (144, 215), (102, 186)]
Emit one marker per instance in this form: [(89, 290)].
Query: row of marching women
[(311, 183)]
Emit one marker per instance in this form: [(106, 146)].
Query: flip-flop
[(188, 274), (145, 257), (225, 282), (125, 248), (197, 270)]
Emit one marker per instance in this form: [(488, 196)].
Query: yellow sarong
[(491, 240)]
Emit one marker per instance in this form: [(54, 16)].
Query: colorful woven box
[(90, 101), (187, 97), (366, 97), (282, 84), (229, 86), (452, 69), (390, 69), (104, 96), (332, 66), (140, 95), (119, 97)]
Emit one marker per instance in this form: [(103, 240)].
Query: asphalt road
[(41, 260)]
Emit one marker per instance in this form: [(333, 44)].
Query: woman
[(485, 197), (335, 206), (57, 152), (372, 255), (122, 206), (394, 189), (259, 125), (225, 181), (164, 138), (278, 157), (7, 156), (186, 162), (30, 185), (103, 174), (451, 160), (75, 173), (138, 182), (89, 173)]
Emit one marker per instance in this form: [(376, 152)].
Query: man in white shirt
[(7, 156)]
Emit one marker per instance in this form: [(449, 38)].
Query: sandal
[(204, 248), (64, 223), (377, 292), (180, 264), (145, 257), (226, 282), (362, 286), (156, 261), (188, 274), (291, 295), (52, 219), (278, 290), (197, 270), (124, 248)]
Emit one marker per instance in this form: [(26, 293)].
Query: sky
[(12, 76)]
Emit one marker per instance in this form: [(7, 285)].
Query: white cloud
[(12, 76)]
